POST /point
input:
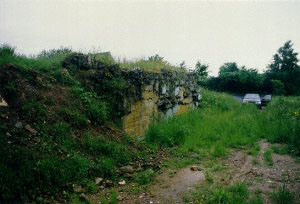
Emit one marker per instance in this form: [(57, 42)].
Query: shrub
[(34, 111), (282, 196), (144, 177), (6, 50), (74, 117), (167, 133), (98, 146), (79, 60)]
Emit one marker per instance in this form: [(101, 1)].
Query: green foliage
[(99, 146), (155, 64), (6, 50), (96, 109), (169, 133), (282, 118), (236, 79), (56, 172), (79, 60), (285, 59), (268, 157), (234, 194), (277, 87), (74, 117), (34, 111), (229, 67), (144, 177), (210, 131), (282, 76), (282, 149), (201, 73), (156, 58), (223, 123), (282, 196), (62, 51)]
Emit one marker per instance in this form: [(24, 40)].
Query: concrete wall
[(162, 95)]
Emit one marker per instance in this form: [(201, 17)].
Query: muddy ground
[(172, 185)]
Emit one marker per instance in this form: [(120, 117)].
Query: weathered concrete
[(163, 95)]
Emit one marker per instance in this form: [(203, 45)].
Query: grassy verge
[(222, 123), (236, 193)]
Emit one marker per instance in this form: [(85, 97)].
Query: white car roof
[(251, 96)]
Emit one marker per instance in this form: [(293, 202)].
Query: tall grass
[(149, 65), (224, 123)]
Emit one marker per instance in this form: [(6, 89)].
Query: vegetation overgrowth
[(58, 132), (60, 129), (223, 123)]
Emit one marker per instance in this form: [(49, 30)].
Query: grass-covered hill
[(62, 124)]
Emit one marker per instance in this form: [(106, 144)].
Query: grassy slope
[(76, 138)]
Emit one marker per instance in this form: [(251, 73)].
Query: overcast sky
[(214, 32)]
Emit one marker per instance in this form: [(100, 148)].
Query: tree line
[(282, 76)]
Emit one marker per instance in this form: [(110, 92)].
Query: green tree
[(285, 59), (201, 70), (228, 67), (284, 67), (277, 87), (183, 65), (156, 58)]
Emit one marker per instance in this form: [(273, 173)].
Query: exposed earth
[(175, 185)]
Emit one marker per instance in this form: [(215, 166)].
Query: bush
[(282, 196), (99, 146), (6, 50), (97, 110), (144, 177), (73, 117), (79, 60), (55, 172), (167, 133)]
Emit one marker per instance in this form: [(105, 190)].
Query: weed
[(74, 117), (282, 196), (149, 65), (208, 177), (144, 177), (268, 157), (255, 161), (34, 111), (282, 149), (254, 150)]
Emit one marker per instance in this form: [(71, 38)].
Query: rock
[(3, 102), (195, 168), (84, 198), (19, 125), (108, 183), (120, 198), (98, 180), (128, 175), (31, 130), (77, 188), (122, 183), (127, 169)]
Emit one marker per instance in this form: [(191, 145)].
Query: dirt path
[(264, 178), (172, 185)]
